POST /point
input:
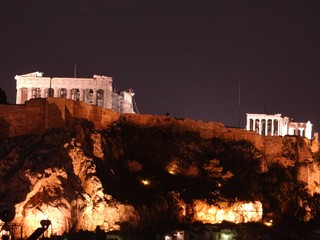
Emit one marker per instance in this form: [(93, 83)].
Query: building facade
[(276, 125), (94, 91)]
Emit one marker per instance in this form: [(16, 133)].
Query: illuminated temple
[(94, 91), (276, 125)]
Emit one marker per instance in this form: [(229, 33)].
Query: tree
[(3, 97)]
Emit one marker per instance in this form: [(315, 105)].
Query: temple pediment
[(33, 74)]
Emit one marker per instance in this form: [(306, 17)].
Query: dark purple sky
[(184, 57)]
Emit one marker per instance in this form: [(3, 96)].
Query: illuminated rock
[(237, 212), (84, 167), (69, 194)]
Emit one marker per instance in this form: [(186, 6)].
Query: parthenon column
[(43, 92), (272, 127), (55, 92), (29, 94), (248, 124), (95, 97), (19, 95), (68, 93), (81, 94)]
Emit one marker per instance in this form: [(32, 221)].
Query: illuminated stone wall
[(39, 115)]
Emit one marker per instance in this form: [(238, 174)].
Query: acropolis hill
[(84, 166)]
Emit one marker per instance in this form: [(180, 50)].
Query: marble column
[(19, 96), (94, 97), (81, 93), (43, 92), (260, 126), (68, 93), (29, 94), (55, 93)]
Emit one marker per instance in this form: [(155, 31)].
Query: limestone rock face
[(83, 167), (309, 174), (50, 177)]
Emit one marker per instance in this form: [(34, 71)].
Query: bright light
[(35, 218), (145, 182), (268, 223), (225, 236), (238, 212)]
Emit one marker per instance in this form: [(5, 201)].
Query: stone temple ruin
[(276, 125), (94, 91)]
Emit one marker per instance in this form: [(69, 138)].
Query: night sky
[(183, 57)]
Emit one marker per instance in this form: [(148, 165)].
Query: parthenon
[(276, 125), (94, 91)]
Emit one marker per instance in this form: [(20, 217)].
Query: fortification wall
[(204, 129), (39, 115), (21, 119), (9, 116)]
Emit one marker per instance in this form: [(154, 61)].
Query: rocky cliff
[(85, 167)]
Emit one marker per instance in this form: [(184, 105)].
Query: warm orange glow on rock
[(177, 167), (172, 168), (268, 223), (238, 212), (33, 209), (33, 217), (51, 197)]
